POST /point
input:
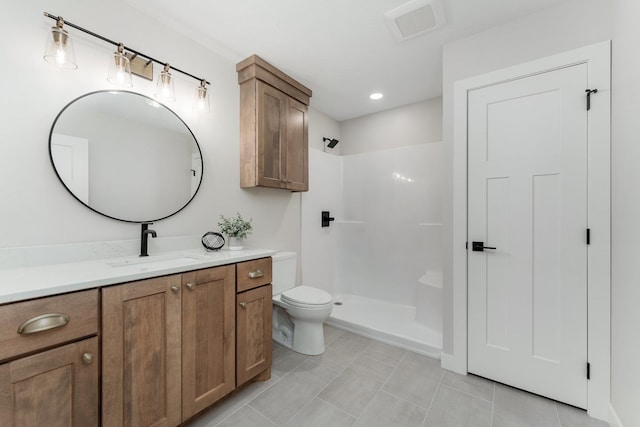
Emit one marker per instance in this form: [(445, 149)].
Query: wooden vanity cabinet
[(49, 361), (141, 353), (253, 320), (274, 136), (208, 337), (169, 347)]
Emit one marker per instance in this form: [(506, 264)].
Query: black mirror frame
[(102, 213)]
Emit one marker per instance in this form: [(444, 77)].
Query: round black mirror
[(125, 156)]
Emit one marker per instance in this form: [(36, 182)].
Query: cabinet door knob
[(191, 286), (175, 289), (255, 274), (243, 304), (87, 358)]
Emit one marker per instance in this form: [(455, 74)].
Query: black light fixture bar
[(135, 52)]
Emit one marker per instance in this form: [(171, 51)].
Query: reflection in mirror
[(125, 156)]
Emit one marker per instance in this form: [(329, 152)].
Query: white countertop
[(32, 282)]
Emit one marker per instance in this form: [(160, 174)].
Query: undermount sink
[(158, 261)]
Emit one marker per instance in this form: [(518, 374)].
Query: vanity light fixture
[(120, 69), (165, 89), (124, 62), (201, 99), (376, 96), (59, 50)]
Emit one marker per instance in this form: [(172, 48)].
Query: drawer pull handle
[(243, 304), (43, 323), (87, 358), (191, 286), (175, 289), (255, 274)]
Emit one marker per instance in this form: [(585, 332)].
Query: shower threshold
[(393, 324)]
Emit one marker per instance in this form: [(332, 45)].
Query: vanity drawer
[(254, 273), (47, 322)]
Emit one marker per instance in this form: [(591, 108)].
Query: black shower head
[(332, 142)]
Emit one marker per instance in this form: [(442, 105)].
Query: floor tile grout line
[(433, 399), (467, 393), (339, 409), (555, 404), (493, 404), (340, 372)]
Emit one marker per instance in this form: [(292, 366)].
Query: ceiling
[(341, 49)]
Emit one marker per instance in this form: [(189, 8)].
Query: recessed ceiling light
[(376, 95)]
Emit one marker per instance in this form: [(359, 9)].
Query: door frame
[(598, 59)]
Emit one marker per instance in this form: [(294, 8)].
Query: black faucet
[(144, 238)]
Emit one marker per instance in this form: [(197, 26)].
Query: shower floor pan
[(393, 324)]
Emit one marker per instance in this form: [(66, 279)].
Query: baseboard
[(451, 363), (614, 421)]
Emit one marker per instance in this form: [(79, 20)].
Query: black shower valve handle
[(326, 218)]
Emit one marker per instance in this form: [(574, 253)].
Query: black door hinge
[(588, 370), (466, 245), (588, 236), (589, 92)]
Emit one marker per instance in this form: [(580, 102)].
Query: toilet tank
[(284, 271)]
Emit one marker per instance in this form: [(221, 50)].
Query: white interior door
[(71, 157), (527, 148)]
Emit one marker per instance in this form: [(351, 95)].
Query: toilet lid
[(306, 295)]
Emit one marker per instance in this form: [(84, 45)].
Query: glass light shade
[(119, 70), (59, 50), (165, 90), (201, 99)]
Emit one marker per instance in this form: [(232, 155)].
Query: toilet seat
[(306, 296)]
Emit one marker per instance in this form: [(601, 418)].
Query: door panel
[(528, 198)]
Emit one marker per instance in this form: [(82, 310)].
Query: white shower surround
[(382, 256)]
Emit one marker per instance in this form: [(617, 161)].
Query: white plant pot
[(235, 243)]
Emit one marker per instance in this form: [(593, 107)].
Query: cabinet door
[(54, 388), (297, 146), (141, 348), (208, 337), (271, 111), (253, 333)]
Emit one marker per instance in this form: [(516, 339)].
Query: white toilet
[(298, 311)]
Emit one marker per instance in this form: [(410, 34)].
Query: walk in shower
[(381, 257)]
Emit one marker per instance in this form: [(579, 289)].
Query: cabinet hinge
[(466, 245), (588, 370), (589, 92), (588, 236)]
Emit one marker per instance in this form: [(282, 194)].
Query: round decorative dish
[(212, 241)]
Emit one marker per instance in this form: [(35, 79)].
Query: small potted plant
[(236, 229)]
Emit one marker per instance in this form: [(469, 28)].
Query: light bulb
[(60, 55), (201, 98), (119, 69)]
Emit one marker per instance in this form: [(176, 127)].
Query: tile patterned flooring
[(362, 382)]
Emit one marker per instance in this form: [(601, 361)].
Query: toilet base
[(305, 336), (308, 337)]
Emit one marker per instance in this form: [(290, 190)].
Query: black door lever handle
[(480, 247)]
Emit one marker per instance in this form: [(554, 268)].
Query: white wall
[(36, 209), (625, 340), (568, 26), (412, 124)]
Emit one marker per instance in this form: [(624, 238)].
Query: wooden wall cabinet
[(274, 137), (58, 386)]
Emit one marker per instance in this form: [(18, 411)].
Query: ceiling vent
[(415, 18)]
